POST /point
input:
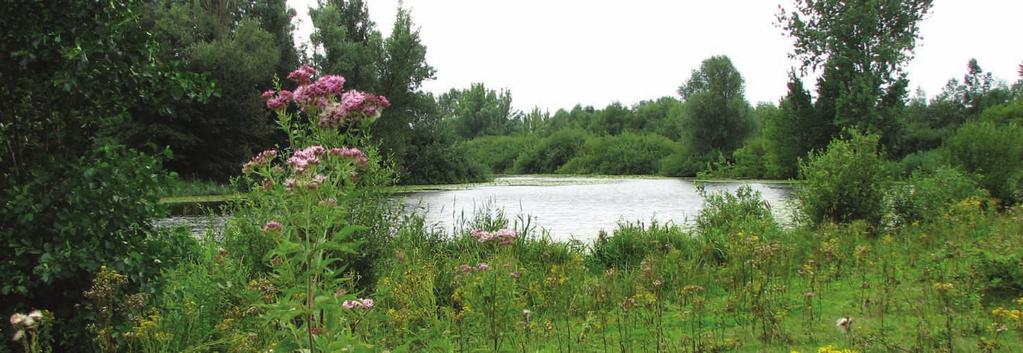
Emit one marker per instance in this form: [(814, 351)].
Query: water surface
[(580, 207)]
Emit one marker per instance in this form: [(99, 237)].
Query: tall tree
[(348, 42), (229, 42), (478, 111), (403, 69), (71, 73), (719, 118), (861, 47), (795, 131)]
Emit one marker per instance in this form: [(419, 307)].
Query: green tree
[(719, 118), (71, 199), (861, 47), (795, 131), (993, 151), (478, 111), (846, 182), (229, 43), (348, 42)]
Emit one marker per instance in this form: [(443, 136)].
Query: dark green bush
[(844, 183), (999, 272), (499, 152), (683, 164), (993, 151), (551, 153), (928, 161), (625, 154), (726, 212), (630, 243), (69, 217), (926, 194)]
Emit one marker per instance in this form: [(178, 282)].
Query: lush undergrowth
[(736, 282), (316, 258)]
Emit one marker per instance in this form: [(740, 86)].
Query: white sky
[(556, 53)]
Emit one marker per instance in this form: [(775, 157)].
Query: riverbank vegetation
[(906, 235)]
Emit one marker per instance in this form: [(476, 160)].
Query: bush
[(927, 194), (993, 151), (750, 161), (683, 164), (927, 161), (499, 152), (626, 154), (631, 243), (436, 158), (725, 212), (70, 217), (844, 183), (551, 153)]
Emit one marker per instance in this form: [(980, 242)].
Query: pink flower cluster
[(482, 266), (302, 75), (366, 103), (302, 159), (318, 94), (322, 95), (502, 237), (361, 303), (352, 104), (312, 184), (272, 226), (263, 158), (354, 153), (277, 100)]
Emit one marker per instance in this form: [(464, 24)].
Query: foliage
[(499, 152), (794, 131), (927, 193), (718, 117), (630, 243), (70, 218), (926, 161), (551, 153), (437, 158), (625, 154), (232, 45), (728, 213), (995, 152), (846, 182), (478, 111), (861, 48)]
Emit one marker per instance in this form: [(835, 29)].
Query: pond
[(580, 207), (566, 207)]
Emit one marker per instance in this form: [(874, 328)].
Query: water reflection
[(578, 208)]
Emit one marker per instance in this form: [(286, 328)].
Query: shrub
[(551, 153), (499, 152), (626, 154), (926, 194), (928, 161), (844, 183), (630, 243), (750, 161), (70, 217), (726, 212), (993, 151), (683, 164)]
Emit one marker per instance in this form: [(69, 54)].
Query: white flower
[(19, 335), (844, 324), (17, 319), (36, 315)]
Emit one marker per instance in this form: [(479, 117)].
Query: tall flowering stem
[(304, 192)]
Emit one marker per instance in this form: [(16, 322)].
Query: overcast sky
[(556, 53)]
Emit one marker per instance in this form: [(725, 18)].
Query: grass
[(745, 285)]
